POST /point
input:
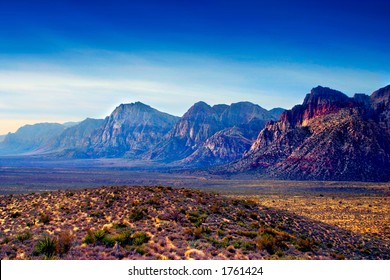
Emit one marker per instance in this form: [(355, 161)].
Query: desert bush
[(64, 242), (6, 240), (89, 238), (141, 250), (271, 239), (119, 225), (69, 194), (248, 246), (196, 218), (219, 243), (137, 214), (124, 237), (140, 238), (305, 244), (154, 201), (99, 235), (108, 240), (46, 246), (44, 218), (266, 242), (15, 215), (24, 236)]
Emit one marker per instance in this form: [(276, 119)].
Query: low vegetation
[(167, 223)]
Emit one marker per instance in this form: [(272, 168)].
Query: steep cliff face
[(329, 137), (380, 101), (129, 131), (77, 136), (208, 135)]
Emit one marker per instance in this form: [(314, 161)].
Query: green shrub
[(137, 214), (248, 246), (24, 236), (266, 242), (99, 235), (124, 237), (89, 238), (46, 246), (141, 250), (140, 238)]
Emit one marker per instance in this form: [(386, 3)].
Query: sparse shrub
[(64, 242), (237, 244), (6, 240), (305, 244), (215, 208), (69, 194), (44, 218), (220, 232), (219, 244), (137, 214), (279, 253), (30, 223), (108, 203), (24, 236), (140, 238), (124, 237), (154, 201), (241, 223), (46, 246), (196, 218), (89, 238), (99, 235), (141, 250), (266, 242), (108, 240), (248, 246), (15, 215)]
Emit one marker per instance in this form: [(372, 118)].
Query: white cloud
[(99, 81)]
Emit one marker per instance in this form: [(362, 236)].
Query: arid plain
[(189, 216)]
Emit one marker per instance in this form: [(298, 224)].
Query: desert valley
[(221, 182)]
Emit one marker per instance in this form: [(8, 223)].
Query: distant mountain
[(2, 137), (131, 130), (276, 112), (74, 141), (30, 138), (208, 135), (70, 124), (329, 137)]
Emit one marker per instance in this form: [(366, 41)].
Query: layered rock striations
[(209, 135), (329, 137), (131, 130)]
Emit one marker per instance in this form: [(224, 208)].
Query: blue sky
[(69, 60)]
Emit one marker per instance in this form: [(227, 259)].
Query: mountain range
[(330, 136)]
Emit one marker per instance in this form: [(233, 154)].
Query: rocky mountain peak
[(320, 101), (328, 137), (324, 95)]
